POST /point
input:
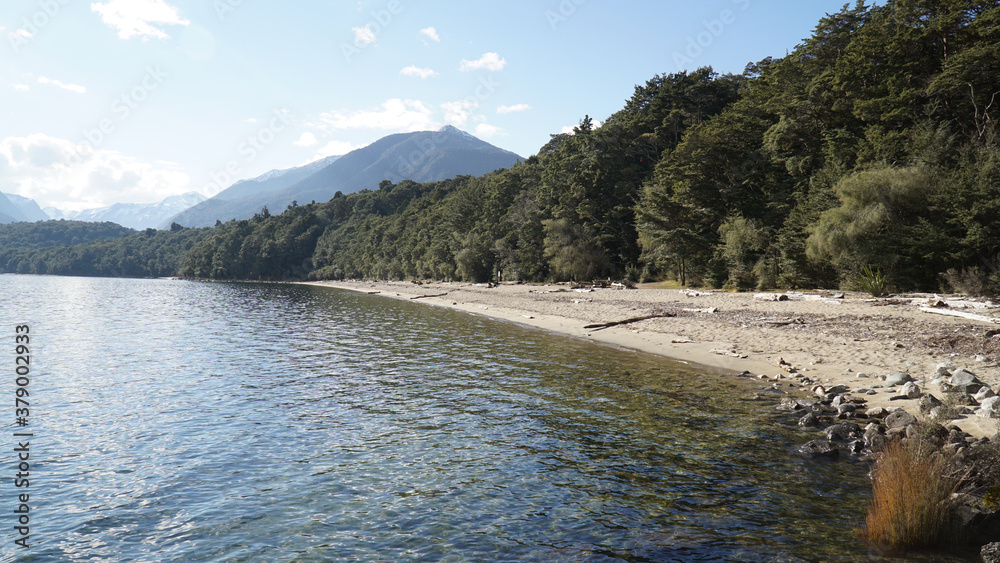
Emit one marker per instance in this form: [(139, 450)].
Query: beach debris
[(962, 314), (784, 321), (730, 353), (600, 326), (682, 341), (786, 366), (692, 293), (426, 296), (770, 297), (528, 316), (702, 310)]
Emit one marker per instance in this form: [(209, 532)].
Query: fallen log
[(435, 295), (600, 326), (962, 314)]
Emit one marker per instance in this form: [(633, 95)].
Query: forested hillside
[(873, 144)]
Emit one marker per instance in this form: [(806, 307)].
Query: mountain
[(9, 213), (424, 156), (134, 215), (29, 210)]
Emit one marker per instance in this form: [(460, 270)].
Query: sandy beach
[(831, 338)]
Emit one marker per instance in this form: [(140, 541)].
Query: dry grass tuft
[(911, 492)]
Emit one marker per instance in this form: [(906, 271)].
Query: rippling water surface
[(180, 421)]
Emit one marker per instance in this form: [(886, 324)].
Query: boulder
[(842, 432), (898, 379), (818, 449), (927, 403), (990, 408), (910, 390), (876, 412), (810, 419), (899, 419), (965, 380)]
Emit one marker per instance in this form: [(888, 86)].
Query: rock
[(981, 358), (898, 379), (990, 408), (846, 409), (856, 447), (877, 412), (810, 419), (818, 449), (985, 393), (842, 432), (990, 553), (928, 402), (899, 419), (945, 370), (965, 380), (911, 390)]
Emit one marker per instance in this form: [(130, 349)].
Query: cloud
[(306, 140), (338, 148), (23, 33), (71, 87), (485, 130), (59, 173), (418, 72), (393, 115), (489, 61), (430, 33), (22, 87), (513, 109), (135, 18), (459, 112), (363, 35)]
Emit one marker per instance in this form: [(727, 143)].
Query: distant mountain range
[(424, 156), (132, 215)]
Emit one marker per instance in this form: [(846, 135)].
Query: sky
[(133, 101)]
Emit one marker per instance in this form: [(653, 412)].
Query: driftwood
[(962, 314), (599, 326), (424, 296)]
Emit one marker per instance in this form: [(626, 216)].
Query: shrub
[(970, 281), (911, 492), (872, 281)]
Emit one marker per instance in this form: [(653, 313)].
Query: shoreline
[(830, 338)]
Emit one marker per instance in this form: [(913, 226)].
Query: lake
[(185, 421)]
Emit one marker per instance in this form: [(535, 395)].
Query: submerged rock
[(818, 449)]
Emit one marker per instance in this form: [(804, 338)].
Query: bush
[(970, 281), (872, 281), (911, 492)]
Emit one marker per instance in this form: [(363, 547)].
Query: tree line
[(871, 145)]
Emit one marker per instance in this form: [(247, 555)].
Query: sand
[(829, 337)]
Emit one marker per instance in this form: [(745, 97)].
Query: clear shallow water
[(180, 421)]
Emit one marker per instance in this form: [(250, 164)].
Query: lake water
[(182, 421)]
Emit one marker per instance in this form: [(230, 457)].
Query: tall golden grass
[(911, 492)]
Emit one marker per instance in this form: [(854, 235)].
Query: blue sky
[(136, 100)]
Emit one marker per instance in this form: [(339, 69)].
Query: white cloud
[(393, 115), (485, 130), (459, 112), (23, 33), (59, 173), (363, 35), (418, 72), (513, 109), (134, 18), (22, 87), (71, 87), (338, 148), (306, 140), (430, 33), (489, 61)]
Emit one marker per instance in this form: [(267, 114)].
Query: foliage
[(872, 282), (911, 488)]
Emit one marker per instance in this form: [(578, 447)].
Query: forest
[(869, 148)]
